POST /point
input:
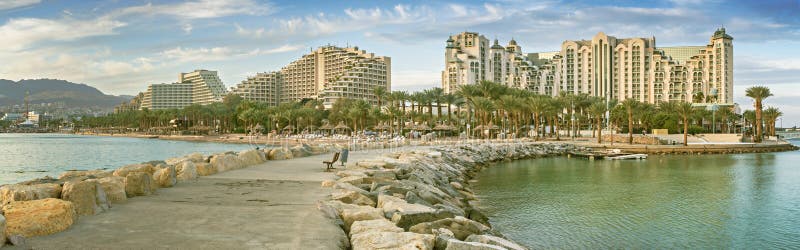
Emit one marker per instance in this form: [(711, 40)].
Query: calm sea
[(28, 156), (745, 201)]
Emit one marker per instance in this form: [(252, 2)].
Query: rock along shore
[(420, 199), (50, 205)]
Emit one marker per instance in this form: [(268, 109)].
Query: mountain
[(51, 90)]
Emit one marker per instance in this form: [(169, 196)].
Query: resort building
[(328, 73), (605, 66), (197, 87), (469, 59), (263, 87), (133, 104)]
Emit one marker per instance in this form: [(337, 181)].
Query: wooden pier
[(608, 155)]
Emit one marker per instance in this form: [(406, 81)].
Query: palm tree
[(450, 99), (630, 106), (758, 93), (698, 97), (537, 105), (380, 93), (750, 119), (771, 115), (483, 109), (725, 115), (437, 94), (598, 109), (684, 110)]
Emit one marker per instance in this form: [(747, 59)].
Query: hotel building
[(328, 73), (605, 66), (196, 87)]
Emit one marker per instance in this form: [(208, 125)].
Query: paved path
[(268, 206)]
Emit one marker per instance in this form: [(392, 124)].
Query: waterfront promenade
[(268, 206)]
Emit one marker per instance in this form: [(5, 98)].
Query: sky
[(121, 46)]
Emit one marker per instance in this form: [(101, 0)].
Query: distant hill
[(51, 90)]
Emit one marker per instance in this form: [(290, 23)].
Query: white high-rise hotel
[(604, 66), (196, 87), (328, 74)]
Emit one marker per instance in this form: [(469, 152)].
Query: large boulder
[(391, 204), (17, 192), (408, 219), (460, 226), (377, 225), (300, 151), (194, 157), (186, 171), (252, 157), (38, 217), (454, 244), (371, 164), (350, 215), (205, 169), (391, 240), (352, 197), (84, 197), (81, 173), (125, 170), (138, 184), (280, 154), (164, 177), (226, 162), (494, 240), (113, 187)]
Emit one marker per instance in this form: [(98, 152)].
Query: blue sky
[(122, 46)]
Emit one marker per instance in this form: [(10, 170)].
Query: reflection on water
[(28, 156), (708, 201)]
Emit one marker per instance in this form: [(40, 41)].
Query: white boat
[(627, 157)]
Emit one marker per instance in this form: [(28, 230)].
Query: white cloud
[(255, 33), (187, 28), (200, 9), (195, 55), (21, 33), (13, 4)]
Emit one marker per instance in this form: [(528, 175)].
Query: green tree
[(684, 110), (758, 93), (630, 106), (598, 110)]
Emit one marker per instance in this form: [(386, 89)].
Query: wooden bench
[(329, 164)]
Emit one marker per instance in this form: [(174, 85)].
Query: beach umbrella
[(441, 127), (288, 127), (381, 126), (422, 127), (327, 126)]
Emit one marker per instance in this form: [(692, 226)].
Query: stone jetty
[(420, 199), (50, 205)]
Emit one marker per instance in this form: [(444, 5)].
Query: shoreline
[(692, 148), (372, 175)]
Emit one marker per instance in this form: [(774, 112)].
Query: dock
[(611, 154)]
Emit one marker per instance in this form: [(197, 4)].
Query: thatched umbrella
[(342, 126), (441, 127), (381, 126), (327, 126), (421, 127)]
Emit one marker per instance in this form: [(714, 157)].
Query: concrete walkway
[(268, 206)]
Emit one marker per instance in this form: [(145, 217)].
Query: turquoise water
[(746, 201), (29, 156)]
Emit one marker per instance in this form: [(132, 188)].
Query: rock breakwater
[(419, 199), (50, 205)]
